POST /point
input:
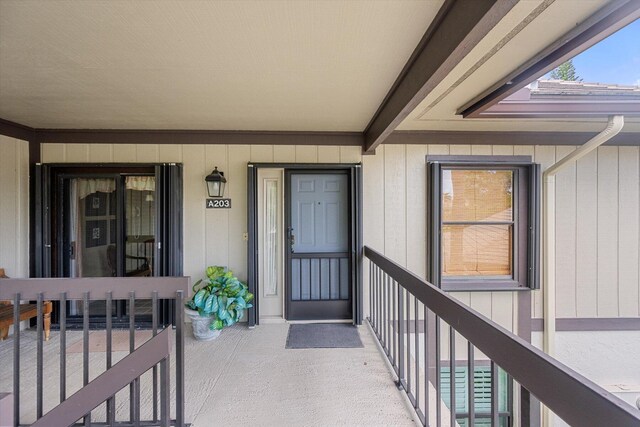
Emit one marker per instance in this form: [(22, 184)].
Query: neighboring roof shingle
[(578, 88)]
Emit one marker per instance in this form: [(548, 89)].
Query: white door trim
[(271, 295)]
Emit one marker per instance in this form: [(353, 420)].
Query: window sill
[(482, 287)]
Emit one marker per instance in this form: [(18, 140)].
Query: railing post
[(63, 346), (85, 348), (39, 356), (16, 360), (179, 359), (400, 336)]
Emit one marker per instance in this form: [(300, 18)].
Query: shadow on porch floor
[(245, 377)]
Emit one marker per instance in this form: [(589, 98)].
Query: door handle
[(292, 238)]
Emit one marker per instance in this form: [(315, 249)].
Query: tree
[(565, 72)]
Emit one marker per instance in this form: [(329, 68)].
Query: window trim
[(526, 222)]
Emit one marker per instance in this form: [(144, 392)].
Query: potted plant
[(218, 301)]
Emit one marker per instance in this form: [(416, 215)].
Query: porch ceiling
[(282, 65), (251, 65)]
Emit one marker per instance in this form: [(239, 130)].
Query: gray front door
[(319, 246)]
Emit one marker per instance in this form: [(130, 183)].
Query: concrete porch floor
[(245, 377)]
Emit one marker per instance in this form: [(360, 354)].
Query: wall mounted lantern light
[(215, 183)]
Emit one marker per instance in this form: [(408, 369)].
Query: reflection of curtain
[(141, 183), (90, 186), (108, 185)]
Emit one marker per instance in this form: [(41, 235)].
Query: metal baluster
[(165, 385), (111, 402), (134, 387), (154, 372), (378, 296), (394, 293), (400, 335), (371, 293), (63, 347), (375, 304), (180, 359), (385, 318), (389, 317), (417, 351), (408, 341), (375, 300), (452, 375), (85, 348), (426, 365), (438, 375), (494, 395), (39, 359), (471, 386), (16, 360)]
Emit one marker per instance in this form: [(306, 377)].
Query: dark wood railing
[(402, 304), (153, 356)]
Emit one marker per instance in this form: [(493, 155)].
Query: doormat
[(323, 335), (119, 341)]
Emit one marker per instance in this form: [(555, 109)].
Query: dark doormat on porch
[(323, 335)]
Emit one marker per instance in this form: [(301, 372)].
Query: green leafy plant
[(222, 296)]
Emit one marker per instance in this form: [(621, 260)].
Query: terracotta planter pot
[(201, 326)]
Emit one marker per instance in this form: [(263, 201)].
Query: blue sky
[(615, 59)]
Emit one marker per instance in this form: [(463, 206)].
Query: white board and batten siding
[(211, 236), (597, 220), (597, 225)]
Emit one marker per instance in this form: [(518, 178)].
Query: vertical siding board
[(77, 153), (306, 154), (546, 156), (238, 158), (170, 153), (147, 153), (566, 237), (395, 203), (481, 150), (586, 235), (99, 153), (53, 153), (607, 231), (460, 150), (373, 212), (194, 172), (126, 153), (22, 210), (14, 206), (262, 153), (9, 196), (328, 154), (284, 153), (502, 150), (502, 309), (216, 220), (350, 154), (416, 175), (438, 149), (628, 239)]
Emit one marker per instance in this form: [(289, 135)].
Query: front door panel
[(319, 246)]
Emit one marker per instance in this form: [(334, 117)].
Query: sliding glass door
[(111, 222)]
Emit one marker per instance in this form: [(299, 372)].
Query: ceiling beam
[(504, 138), (457, 28), (124, 136), (606, 21), (16, 130)]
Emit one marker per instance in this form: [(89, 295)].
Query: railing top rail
[(110, 382), (120, 287), (571, 396)]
